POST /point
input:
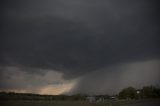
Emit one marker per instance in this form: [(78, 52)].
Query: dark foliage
[(144, 93)]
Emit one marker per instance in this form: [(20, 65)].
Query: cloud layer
[(77, 37), (112, 80)]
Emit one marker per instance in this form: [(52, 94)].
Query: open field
[(82, 103), (53, 103)]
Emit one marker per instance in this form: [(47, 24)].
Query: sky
[(79, 46)]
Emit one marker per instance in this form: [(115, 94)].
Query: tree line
[(126, 93), (36, 97), (144, 93)]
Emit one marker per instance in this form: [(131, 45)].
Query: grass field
[(54, 103), (69, 103)]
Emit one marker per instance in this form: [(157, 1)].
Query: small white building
[(91, 99), (100, 99)]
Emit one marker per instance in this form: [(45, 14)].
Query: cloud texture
[(78, 38)]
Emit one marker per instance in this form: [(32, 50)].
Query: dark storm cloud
[(114, 79), (78, 36)]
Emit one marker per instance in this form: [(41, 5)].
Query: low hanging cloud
[(112, 80), (77, 38), (48, 82)]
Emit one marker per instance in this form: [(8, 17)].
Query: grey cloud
[(17, 78), (112, 80), (77, 37)]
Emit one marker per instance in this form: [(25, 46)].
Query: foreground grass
[(70, 103), (56, 103)]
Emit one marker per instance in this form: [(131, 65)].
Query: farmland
[(51, 103), (78, 103)]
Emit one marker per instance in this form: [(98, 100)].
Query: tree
[(150, 92), (128, 93)]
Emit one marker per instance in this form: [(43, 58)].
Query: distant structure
[(100, 99), (91, 99), (113, 97)]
